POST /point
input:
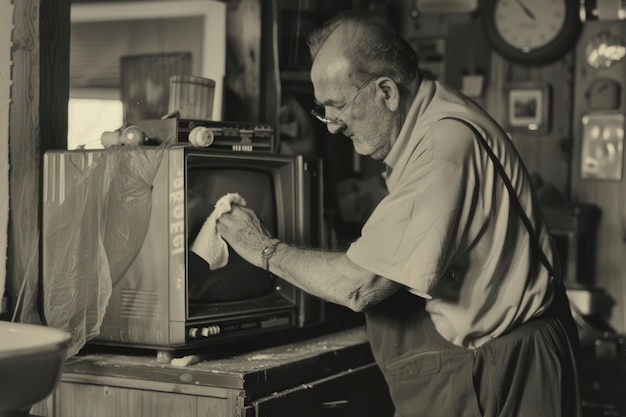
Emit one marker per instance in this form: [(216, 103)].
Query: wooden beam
[(38, 122)]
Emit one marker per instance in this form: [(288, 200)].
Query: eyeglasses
[(317, 111)]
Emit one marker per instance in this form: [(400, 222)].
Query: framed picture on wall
[(528, 108), (602, 153)]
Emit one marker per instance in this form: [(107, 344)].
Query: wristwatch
[(268, 251)]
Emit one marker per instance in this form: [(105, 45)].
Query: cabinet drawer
[(80, 400), (359, 392)]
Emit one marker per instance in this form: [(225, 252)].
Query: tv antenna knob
[(201, 136), (132, 135)]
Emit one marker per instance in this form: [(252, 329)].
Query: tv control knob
[(201, 137), (132, 135), (193, 332), (210, 331)]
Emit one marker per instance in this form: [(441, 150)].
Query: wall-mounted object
[(609, 196), (604, 93), (532, 32), (528, 107), (604, 9), (602, 146), (605, 50)]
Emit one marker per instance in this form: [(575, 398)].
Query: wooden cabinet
[(104, 397), (332, 375), (352, 393)]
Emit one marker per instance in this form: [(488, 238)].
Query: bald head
[(331, 64), (365, 46)]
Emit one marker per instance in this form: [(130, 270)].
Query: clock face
[(529, 24), (531, 32)]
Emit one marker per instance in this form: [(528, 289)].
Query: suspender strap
[(514, 198)]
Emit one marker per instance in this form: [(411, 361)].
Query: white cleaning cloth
[(209, 245)]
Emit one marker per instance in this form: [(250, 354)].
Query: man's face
[(359, 114)]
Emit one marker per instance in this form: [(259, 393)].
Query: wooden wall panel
[(608, 195), (543, 154), (6, 32), (546, 155), (24, 149), (38, 121)]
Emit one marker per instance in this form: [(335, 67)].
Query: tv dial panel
[(237, 326), (225, 136)]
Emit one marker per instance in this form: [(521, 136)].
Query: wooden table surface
[(259, 372)]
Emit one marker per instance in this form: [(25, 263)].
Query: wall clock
[(532, 32)]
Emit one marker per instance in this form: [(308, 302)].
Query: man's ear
[(390, 92)]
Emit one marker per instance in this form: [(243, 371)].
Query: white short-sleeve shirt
[(447, 231)]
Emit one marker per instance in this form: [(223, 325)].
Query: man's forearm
[(331, 276)]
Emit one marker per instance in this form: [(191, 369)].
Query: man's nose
[(335, 128)]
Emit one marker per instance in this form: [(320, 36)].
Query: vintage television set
[(165, 297)]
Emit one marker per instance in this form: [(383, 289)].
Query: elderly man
[(454, 270)]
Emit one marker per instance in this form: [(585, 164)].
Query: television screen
[(238, 280)]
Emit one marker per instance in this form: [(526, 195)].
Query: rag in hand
[(209, 245)]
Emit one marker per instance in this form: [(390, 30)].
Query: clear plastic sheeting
[(93, 236)]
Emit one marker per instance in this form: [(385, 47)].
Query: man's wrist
[(268, 250)]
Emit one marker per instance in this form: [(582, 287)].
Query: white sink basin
[(31, 363)]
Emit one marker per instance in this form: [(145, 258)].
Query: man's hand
[(245, 233), (328, 275)]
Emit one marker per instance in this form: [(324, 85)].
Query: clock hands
[(532, 32), (526, 9)]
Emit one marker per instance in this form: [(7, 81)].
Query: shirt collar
[(419, 105)]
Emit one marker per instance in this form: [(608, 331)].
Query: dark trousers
[(528, 372)]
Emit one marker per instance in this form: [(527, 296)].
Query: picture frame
[(602, 152), (528, 108)]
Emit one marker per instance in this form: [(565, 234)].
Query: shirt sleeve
[(413, 234)]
